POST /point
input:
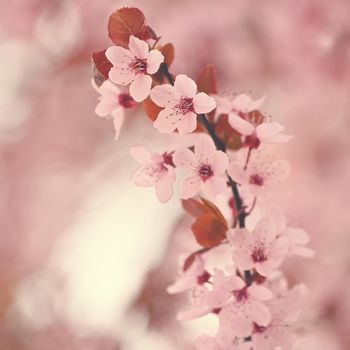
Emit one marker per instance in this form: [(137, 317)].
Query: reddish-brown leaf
[(168, 52), (209, 230), (227, 134), (207, 80), (101, 66), (125, 22), (151, 109), (194, 207), (211, 207)]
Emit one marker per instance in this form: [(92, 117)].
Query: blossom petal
[(117, 55), (192, 313), (164, 187), (118, 120), (203, 103), (154, 59), (260, 314), (219, 162), (214, 186), (138, 48), (223, 105), (164, 95), (259, 292), (140, 87), (237, 173), (184, 158), (106, 106), (186, 123), (141, 154), (205, 149), (278, 171), (241, 125), (141, 177), (121, 76), (190, 186), (185, 86), (165, 121), (267, 130)]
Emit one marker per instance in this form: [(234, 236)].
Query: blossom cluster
[(228, 159)]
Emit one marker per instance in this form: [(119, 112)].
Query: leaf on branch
[(125, 22), (101, 66), (206, 81), (210, 226), (227, 134), (168, 52), (151, 109)]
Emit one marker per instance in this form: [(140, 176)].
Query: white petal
[(154, 59), (241, 125), (141, 87), (138, 48), (185, 86), (203, 103)]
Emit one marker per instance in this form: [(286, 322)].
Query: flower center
[(241, 295), (185, 105), (251, 141), (139, 65), (204, 277), (259, 255), (256, 179), (125, 100), (205, 172), (168, 158)]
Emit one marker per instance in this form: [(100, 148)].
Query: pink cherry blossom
[(112, 103), (155, 170), (134, 66), (261, 174), (253, 135), (245, 308), (261, 249), (181, 105), (285, 311), (206, 165), (195, 274)]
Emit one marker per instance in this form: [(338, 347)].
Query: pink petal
[(237, 173), (141, 154), (190, 186), (164, 122), (234, 283), (154, 59), (138, 48), (264, 231), (241, 125), (242, 260), (279, 138), (185, 86), (278, 171), (121, 76), (109, 89), (205, 149), (219, 162), (164, 95), (261, 342), (259, 292), (141, 177), (255, 105), (240, 238), (242, 103), (187, 123), (223, 105), (164, 187), (271, 132), (266, 267), (234, 322), (106, 106), (140, 87), (279, 249), (117, 55), (214, 186), (203, 103), (260, 313), (118, 120), (184, 158)]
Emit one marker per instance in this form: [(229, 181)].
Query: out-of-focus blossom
[(134, 66), (181, 105), (206, 165), (156, 170), (112, 103)]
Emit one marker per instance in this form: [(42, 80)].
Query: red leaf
[(101, 66), (209, 230), (210, 226), (207, 80), (168, 52), (125, 22), (151, 109)]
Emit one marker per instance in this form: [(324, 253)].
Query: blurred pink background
[(85, 256)]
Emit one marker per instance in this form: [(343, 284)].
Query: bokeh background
[(85, 256)]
